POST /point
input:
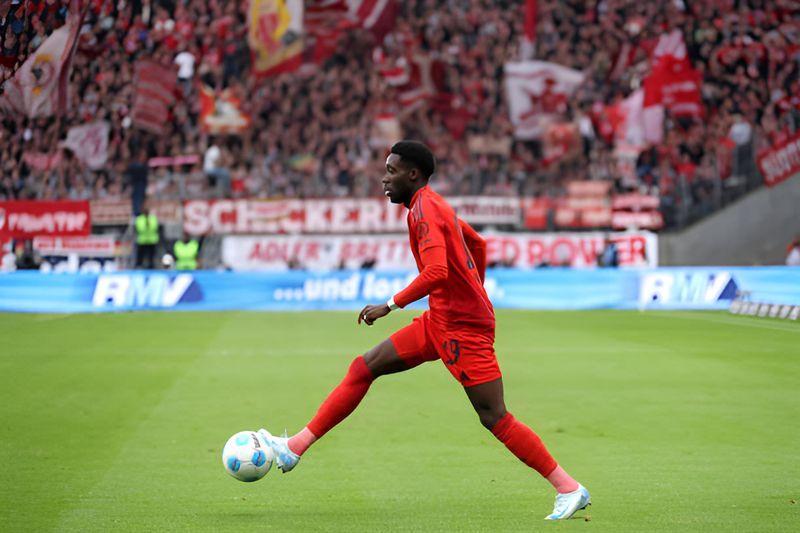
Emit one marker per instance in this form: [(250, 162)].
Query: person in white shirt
[(793, 257), (185, 61)]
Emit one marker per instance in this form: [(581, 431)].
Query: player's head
[(408, 168)]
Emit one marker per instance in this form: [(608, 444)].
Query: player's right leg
[(488, 401), (402, 351)]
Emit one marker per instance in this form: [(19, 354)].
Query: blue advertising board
[(661, 288)]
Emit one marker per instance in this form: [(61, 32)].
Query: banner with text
[(120, 212), (28, 219), (332, 215), (390, 252), (646, 289), (780, 162)]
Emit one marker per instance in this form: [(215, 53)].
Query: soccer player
[(458, 329)]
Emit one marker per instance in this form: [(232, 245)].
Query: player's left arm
[(476, 246)]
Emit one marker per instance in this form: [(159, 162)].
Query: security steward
[(147, 238), (185, 252)]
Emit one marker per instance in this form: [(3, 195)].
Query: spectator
[(27, 258), (215, 163), (609, 257), (793, 253), (137, 173), (148, 235)]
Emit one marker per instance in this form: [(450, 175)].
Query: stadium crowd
[(314, 130)]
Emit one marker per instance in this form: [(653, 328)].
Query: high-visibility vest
[(146, 229), (186, 255)]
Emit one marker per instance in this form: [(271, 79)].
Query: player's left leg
[(523, 442)]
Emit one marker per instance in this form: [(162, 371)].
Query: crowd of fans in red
[(313, 130)]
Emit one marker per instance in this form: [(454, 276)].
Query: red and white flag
[(325, 21), (155, 92), (412, 76), (40, 86), (376, 16), (386, 131), (537, 94), (275, 35), (89, 143), (673, 84), (221, 112), (631, 123)]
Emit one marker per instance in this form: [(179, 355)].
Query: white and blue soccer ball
[(247, 457)]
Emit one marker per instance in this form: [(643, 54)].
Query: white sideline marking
[(737, 321)]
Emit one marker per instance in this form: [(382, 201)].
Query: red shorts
[(467, 354)]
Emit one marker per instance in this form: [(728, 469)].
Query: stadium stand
[(437, 75)]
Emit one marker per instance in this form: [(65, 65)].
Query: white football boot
[(285, 457), (570, 502)]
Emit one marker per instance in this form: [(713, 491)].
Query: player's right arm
[(433, 256), (433, 274)]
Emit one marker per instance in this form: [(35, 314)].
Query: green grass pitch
[(674, 421)]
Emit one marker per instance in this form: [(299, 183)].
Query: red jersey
[(451, 258)]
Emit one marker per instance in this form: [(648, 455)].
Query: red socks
[(525, 444), (337, 406), (517, 437), (300, 442)]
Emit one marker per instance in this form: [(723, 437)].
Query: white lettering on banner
[(370, 216), (140, 290), (340, 215), (780, 162), (315, 217), (391, 252), (217, 214), (58, 222), (195, 218), (488, 209), (690, 287), (368, 286), (358, 286), (91, 245), (111, 290)]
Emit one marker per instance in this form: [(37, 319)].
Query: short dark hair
[(417, 154)]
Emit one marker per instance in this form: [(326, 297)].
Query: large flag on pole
[(529, 26), (275, 35), (40, 86)]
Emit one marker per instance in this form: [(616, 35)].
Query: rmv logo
[(145, 290), (686, 287)]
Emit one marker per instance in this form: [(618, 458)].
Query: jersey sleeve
[(429, 235), (476, 246)]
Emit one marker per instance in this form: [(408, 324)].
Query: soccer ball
[(246, 456)]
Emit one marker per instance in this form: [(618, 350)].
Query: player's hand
[(371, 313)]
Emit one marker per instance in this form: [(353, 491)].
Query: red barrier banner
[(780, 162), (504, 210), (120, 212), (28, 219), (392, 252), (337, 215), (535, 212), (88, 246), (635, 201), (642, 220)]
